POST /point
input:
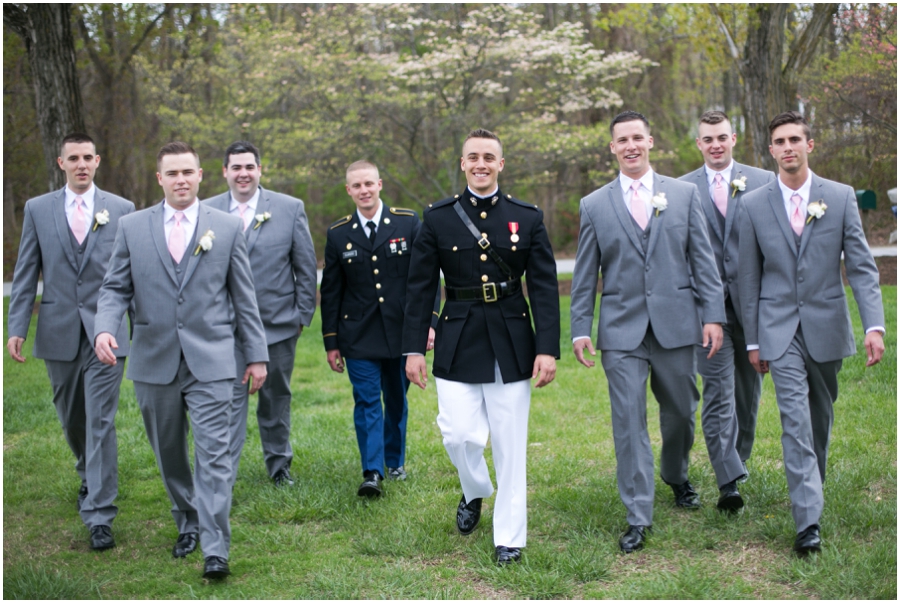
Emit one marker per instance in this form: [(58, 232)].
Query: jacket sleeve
[(585, 277), (332, 291), (703, 265), (543, 290), (117, 290), (423, 280), (243, 297), (25, 279), (303, 262), (749, 275)]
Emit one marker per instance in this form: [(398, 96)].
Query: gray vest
[(643, 234), (181, 266), (78, 249)]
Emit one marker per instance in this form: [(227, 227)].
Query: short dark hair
[(790, 117), (362, 164), (628, 116), (176, 148), (713, 117), (76, 138), (239, 147), (482, 133)]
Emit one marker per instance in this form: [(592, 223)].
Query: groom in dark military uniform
[(363, 297), (485, 350)]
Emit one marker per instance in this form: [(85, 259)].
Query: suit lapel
[(158, 232), (203, 222), (656, 217), (815, 193), (262, 207), (777, 203), (625, 219), (706, 203), (736, 173), (358, 234), (385, 229), (99, 206), (62, 227)]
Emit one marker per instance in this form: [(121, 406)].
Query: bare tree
[(47, 32)]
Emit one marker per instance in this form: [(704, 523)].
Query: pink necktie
[(638, 211), (720, 197), (176, 238), (242, 207), (796, 216), (79, 221)]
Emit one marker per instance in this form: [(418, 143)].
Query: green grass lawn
[(318, 540)]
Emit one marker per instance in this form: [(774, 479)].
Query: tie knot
[(719, 179), (79, 201), (178, 216), (370, 225), (242, 207), (636, 185), (796, 199)]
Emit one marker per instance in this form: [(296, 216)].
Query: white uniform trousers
[(467, 414)]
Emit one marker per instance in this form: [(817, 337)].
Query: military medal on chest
[(514, 230)]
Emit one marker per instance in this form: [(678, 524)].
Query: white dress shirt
[(188, 222), (235, 209), (376, 218), (711, 178), (646, 191), (88, 197)]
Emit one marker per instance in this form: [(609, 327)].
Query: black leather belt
[(488, 292)]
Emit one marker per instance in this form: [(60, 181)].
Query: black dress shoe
[(215, 568), (396, 473), (633, 539), (282, 477), (185, 545), (685, 496), (808, 541), (746, 475), (729, 498), (102, 538), (82, 495), (507, 555), (371, 485), (468, 515)]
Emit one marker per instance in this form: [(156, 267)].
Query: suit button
[(380, 300), (81, 251), (178, 270), (646, 268), (484, 278), (483, 257), (79, 281), (729, 281), (180, 326), (374, 258), (446, 318), (80, 305), (180, 300), (375, 271), (727, 258), (378, 285), (524, 315), (455, 248), (800, 279), (346, 316), (648, 294), (801, 303)]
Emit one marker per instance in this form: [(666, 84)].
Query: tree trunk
[(47, 32)]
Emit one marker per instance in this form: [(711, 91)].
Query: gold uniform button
[(349, 261), (484, 278), (483, 215), (375, 271), (455, 248), (355, 225), (483, 257), (446, 318), (378, 285), (345, 316), (387, 220), (374, 258), (513, 247), (349, 245), (380, 300)]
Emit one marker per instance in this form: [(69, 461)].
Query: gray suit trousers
[(273, 410), (86, 396), (720, 425), (805, 391), (747, 392), (202, 501), (673, 382)]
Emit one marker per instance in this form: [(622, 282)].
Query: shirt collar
[(646, 180), (190, 213), (376, 218), (489, 195), (88, 196), (726, 173), (803, 191), (252, 203)]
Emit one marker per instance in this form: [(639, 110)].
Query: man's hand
[(874, 347), (579, 345), (430, 345), (545, 364), (712, 338), (417, 370), (104, 346), (760, 366), (14, 345), (256, 370), (335, 361)]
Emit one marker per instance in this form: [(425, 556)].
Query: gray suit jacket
[(783, 288), (70, 293), (638, 288), (192, 318), (283, 262), (725, 242)]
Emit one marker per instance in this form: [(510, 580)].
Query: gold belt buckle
[(490, 292)]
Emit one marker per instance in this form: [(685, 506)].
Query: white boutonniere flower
[(101, 218), (659, 203), (816, 210), (260, 218), (738, 184), (205, 243)]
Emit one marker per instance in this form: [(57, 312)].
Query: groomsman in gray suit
[(646, 234), (67, 236), (731, 387), (180, 263), (796, 319), (283, 262)]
